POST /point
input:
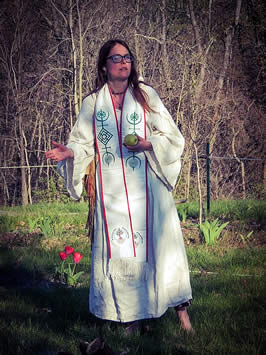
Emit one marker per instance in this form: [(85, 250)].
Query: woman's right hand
[(61, 152)]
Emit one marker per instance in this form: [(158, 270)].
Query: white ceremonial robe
[(167, 283)]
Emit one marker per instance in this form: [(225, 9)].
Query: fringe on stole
[(90, 186), (128, 269)]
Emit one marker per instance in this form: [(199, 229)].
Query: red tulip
[(69, 250), (62, 255), (77, 257)]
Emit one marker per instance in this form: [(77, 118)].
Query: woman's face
[(117, 71)]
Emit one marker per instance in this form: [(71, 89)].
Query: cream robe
[(167, 283)]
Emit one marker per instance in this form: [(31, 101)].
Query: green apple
[(131, 139)]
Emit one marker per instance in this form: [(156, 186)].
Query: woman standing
[(139, 263)]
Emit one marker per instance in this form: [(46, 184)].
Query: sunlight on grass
[(40, 314), (231, 209), (229, 261)]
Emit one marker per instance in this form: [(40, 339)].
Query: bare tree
[(206, 64)]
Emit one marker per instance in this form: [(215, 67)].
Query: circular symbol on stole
[(108, 158), (138, 239), (134, 162), (119, 236), (102, 116), (134, 118)]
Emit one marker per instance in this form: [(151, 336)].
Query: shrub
[(212, 230)]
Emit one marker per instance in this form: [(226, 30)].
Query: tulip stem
[(62, 269), (73, 269)]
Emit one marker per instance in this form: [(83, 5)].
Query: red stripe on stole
[(101, 183), (147, 193), (124, 178), (122, 162)]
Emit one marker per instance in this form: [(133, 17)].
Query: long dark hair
[(133, 81)]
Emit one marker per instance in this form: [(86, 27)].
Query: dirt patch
[(12, 275), (18, 239), (235, 235)]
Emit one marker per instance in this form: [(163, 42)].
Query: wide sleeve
[(81, 141), (166, 139)]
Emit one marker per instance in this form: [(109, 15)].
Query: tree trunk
[(165, 55), (81, 59), (199, 184), (24, 189), (242, 166), (74, 60), (226, 61), (187, 192)]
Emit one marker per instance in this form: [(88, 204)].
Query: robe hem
[(142, 316)]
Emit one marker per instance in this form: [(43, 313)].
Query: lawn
[(41, 314)]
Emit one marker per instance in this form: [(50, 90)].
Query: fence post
[(208, 175)]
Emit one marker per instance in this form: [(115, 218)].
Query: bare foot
[(131, 328), (185, 321)]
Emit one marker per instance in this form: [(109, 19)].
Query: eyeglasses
[(117, 58)]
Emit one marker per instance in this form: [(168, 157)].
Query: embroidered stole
[(123, 178)]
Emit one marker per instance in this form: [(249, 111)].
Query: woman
[(139, 263)]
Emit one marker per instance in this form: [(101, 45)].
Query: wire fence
[(236, 178), (202, 157)]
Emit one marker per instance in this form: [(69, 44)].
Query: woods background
[(204, 57)]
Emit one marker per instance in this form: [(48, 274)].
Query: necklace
[(117, 101), (117, 98), (117, 93)]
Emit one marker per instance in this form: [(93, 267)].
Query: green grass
[(37, 314), (249, 261), (31, 218), (48, 208), (227, 209), (243, 210), (227, 311)]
